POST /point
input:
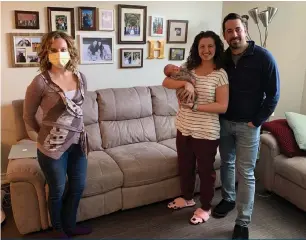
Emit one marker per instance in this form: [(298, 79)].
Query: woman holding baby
[(198, 128)]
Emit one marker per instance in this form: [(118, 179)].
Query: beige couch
[(132, 160), (280, 174)]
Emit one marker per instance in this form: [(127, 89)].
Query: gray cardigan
[(62, 122)]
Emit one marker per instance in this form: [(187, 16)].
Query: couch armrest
[(20, 172), (25, 170), (270, 141), (269, 149)]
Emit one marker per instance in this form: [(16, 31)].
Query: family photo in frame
[(106, 20), (177, 54), (177, 31), (131, 58), (26, 20), (96, 49), (61, 19), (132, 24), (87, 18), (157, 26), (25, 48)]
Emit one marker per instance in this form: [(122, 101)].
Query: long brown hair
[(194, 58), (47, 41)]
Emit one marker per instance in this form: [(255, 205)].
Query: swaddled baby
[(181, 74)]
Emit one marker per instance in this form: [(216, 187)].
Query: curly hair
[(194, 59), (47, 41)]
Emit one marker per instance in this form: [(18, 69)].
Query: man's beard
[(236, 45)]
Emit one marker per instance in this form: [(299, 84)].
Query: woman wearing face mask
[(61, 142)]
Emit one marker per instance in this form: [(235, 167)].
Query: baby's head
[(171, 69)]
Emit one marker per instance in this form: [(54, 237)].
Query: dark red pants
[(201, 151)]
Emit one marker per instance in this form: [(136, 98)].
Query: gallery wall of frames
[(96, 47)]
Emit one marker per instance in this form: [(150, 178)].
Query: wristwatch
[(195, 107)]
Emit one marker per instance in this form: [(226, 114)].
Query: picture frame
[(132, 24), (24, 49), (61, 19), (106, 19), (96, 48), (177, 54), (157, 26), (26, 19), (131, 57), (177, 31), (87, 18)]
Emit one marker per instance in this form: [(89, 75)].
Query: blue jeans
[(239, 147), (63, 208)]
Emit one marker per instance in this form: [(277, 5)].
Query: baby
[(181, 74)]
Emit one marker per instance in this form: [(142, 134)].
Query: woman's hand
[(189, 87), (187, 105), (189, 92)]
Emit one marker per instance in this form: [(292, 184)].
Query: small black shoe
[(223, 208), (241, 233)]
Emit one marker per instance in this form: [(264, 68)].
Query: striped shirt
[(202, 125)]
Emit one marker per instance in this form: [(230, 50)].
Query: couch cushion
[(125, 116), (285, 137), (90, 111), (117, 133), (118, 104), (164, 101), (165, 127), (297, 122), (293, 169), (145, 163), (171, 143), (165, 107), (103, 174)]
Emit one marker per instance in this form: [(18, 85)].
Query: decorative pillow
[(297, 122), (285, 137)]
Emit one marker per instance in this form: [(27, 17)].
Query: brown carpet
[(273, 218)]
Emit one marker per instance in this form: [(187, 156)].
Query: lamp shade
[(272, 11), (254, 14), (264, 18)]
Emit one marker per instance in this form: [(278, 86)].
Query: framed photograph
[(61, 19), (24, 47), (87, 18), (177, 31), (26, 20), (106, 20), (157, 26), (132, 24), (96, 49), (177, 54), (131, 57)]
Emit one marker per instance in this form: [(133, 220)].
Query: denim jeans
[(238, 149), (63, 207)]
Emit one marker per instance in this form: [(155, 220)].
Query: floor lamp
[(265, 17)]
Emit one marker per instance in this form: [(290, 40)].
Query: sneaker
[(223, 208), (240, 232)]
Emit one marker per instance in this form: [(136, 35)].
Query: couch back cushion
[(165, 107), (91, 122), (125, 116)]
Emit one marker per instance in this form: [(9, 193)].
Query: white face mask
[(59, 59)]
